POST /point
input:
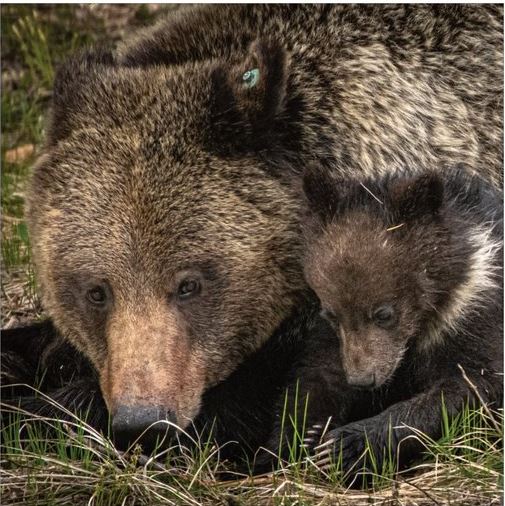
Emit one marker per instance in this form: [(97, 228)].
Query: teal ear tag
[(251, 78)]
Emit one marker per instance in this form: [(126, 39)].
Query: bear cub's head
[(376, 257)]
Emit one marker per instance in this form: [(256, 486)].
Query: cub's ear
[(249, 97), (71, 90), (321, 192), (418, 197)]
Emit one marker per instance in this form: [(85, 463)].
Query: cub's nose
[(361, 380), (144, 424)]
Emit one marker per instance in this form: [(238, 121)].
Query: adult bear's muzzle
[(153, 373)]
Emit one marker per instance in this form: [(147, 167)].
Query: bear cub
[(408, 269)]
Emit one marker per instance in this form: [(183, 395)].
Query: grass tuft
[(72, 462)]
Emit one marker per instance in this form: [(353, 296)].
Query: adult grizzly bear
[(164, 211)]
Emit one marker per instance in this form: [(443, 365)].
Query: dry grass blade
[(475, 390)]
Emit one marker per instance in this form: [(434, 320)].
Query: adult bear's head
[(166, 241)]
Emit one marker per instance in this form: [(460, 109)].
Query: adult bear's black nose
[(146, 425)]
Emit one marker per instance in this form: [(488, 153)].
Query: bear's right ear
[(249, 96), (72, 90), (321, 192)]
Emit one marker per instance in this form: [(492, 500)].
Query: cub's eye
[(384, 316), (97, 296), (188, 288)]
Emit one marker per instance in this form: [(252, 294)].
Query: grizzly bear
[(164, 212), (409, 271)]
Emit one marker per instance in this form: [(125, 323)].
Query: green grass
[(30, 50), (297, 423), (75, 464)]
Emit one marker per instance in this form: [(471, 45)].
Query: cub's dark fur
[(409, 271), (164, 212)]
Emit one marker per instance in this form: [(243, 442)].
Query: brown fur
[(141, 267), (164, 373), (355, 281), (411, 307), (380, 87), (160, 163)]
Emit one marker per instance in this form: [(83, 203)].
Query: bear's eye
[(97, 296), (188, 288), (384, 316)]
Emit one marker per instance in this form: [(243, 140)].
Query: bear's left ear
[(260, 81), (417, 197), (249, 96)]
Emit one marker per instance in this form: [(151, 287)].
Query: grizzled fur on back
[(369, 88), (409, 272), (163, 214)]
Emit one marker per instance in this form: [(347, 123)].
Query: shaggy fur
[(164, 168), (409, 271), (366, 88)]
